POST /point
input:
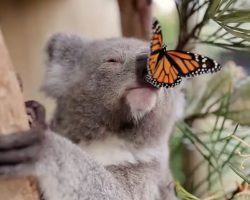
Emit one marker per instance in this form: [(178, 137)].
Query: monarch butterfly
[(166, 68)]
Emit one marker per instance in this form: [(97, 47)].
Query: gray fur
[(88, 79)]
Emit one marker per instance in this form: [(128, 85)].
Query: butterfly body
[(166, 68)]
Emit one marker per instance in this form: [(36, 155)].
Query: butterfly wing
[(191, 64), (164, 75), (160, 71), (156, 40), (155, 47)]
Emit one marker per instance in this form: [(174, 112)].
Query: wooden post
[(136, 18), (13, 118)]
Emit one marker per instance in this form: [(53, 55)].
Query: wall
[(27, 25)]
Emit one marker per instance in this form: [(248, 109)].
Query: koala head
[(100, 90)]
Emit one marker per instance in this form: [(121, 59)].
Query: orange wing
[(164, 74), (156, 40), (191, 64), (155, 48)]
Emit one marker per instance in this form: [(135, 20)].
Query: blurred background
[(205, 146), (27, 25)]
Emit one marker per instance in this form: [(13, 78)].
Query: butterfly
[(167, 68)]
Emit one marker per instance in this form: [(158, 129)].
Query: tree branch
[(13, 118), (136, 18)]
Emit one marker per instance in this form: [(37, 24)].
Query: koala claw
[(17, 148), (23, 147), (37, 113)]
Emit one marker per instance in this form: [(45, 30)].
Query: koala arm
[(136, 181), (141, 181), (64, 171)]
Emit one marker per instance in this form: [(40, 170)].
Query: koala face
[(118, 78), (99, 87)]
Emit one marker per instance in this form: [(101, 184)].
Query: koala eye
[(112, 60)]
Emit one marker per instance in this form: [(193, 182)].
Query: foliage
[(183, 194), (209, 125), (215, 129), (231, 18)]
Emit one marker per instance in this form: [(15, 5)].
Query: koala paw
[(36, 112), (21, 148)]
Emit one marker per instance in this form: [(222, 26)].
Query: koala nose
[(141, 66)]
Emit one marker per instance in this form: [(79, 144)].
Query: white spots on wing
[(156, 28), (204, 59), (196, 57), (216, 65), (157, 84)]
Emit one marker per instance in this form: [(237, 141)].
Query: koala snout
[(141, 66)]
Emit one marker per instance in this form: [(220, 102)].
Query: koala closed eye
[(114, 63), (112, 60)]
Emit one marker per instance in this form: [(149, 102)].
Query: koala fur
[(109, 135)]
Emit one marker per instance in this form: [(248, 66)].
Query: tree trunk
[(13, 118), (136, 18)]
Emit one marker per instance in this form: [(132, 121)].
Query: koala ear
[(64, 54)]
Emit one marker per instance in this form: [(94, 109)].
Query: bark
[(136, 18), (13, 118)]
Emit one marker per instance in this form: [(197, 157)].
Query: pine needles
[(220, 112), (230, 17)]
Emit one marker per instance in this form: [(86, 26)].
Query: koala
[(109, 135)]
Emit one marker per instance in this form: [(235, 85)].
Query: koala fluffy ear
[(64, 54)]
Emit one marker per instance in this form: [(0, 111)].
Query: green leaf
[(230, 2), (233, 46), (238, 16), (238, 34), (239, 173), (183, 194), (213, 8), (239, 29)]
